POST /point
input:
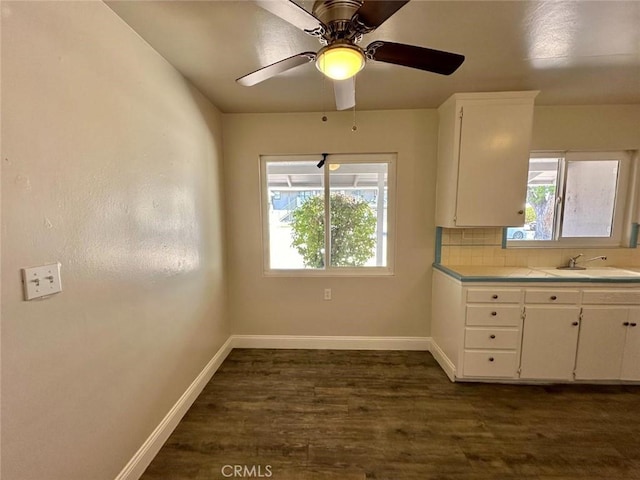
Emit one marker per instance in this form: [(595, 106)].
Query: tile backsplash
[(483, 246)]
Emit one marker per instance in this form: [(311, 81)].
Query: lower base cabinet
[(549, 342), (609, 346), (631, 356), (536, 333)]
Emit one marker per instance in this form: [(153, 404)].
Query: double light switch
[(41, 281)]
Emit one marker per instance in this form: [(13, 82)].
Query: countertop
[(472, 273)]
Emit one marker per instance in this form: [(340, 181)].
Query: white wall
[(591, 127), (361, 306), (586, 127), (111, 164), (396, 306)]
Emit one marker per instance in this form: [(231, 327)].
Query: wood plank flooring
[(380, 415)]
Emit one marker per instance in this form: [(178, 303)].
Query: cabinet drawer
[(496, 338), (610, 297), (493, 315), (493, 295), (552, 296), (487, 363)]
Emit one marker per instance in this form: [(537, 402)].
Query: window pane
[(541, 200), (358, 214), (590, 198), (296, 215)]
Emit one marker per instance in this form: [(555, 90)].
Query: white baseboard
[(444, 362), (331, 343), (149, 449)]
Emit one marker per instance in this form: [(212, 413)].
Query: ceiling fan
[(340, 25)]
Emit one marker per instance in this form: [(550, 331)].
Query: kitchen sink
[(610, 272), (596, 272), (554, 272)]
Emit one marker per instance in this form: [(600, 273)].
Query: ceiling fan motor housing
[(337, 15)]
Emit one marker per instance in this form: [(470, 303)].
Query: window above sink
[(576, 199)]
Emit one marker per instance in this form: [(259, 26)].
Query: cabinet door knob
[(574, 324), (495, 297), (553, 297), (626, 324), (491, 359), (492, 336), (520, 212), (493, 314), (633, 324)]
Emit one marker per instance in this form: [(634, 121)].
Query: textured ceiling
[(581, 52)]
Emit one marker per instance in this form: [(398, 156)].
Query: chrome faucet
[(573, 261)]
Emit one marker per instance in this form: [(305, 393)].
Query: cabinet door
[(493, 164), (549, 342), (631, 357), (601, 342)]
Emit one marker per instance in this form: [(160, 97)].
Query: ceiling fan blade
[(372, 14), (277, 68), (345, 92), (436, 61), (294, 14)]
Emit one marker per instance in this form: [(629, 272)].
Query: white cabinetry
[(609, 346), (602, 338), (492, 332), (550, 334), (631, 356), (524, 332), (549, 342), (483, 157)]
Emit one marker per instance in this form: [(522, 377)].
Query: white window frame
[(622, 208), (389, 158)]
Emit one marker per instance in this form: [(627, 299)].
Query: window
[(574, 199), (352, 194)]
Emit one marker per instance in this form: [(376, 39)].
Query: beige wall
[(111, 164), (586, 127), (361, 306)]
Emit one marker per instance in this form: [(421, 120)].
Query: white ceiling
[(579, 52)]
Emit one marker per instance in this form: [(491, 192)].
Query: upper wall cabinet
[(483, 159)]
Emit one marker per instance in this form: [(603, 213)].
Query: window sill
[(346, 272)]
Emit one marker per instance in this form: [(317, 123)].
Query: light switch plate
[(41, 281)]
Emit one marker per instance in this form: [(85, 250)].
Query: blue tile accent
[(438, 252), (633, 243), (483, 278)]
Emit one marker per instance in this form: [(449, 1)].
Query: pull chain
[(324, 98), (355, 126)]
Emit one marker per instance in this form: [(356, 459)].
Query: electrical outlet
[(327, 294), (41, 281)]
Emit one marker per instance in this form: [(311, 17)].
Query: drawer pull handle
[(633, 324), (520, 212), (491, 359), (492, 337), (574, 324), (626, 324), (493, 314), (553, 297), (495, 297)]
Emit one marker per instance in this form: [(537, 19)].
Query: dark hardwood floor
[(356, 415)]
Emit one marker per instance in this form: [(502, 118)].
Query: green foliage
[(541, 198), (353, 225), (529, 215)]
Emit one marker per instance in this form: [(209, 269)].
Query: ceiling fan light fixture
[(340, 62)]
